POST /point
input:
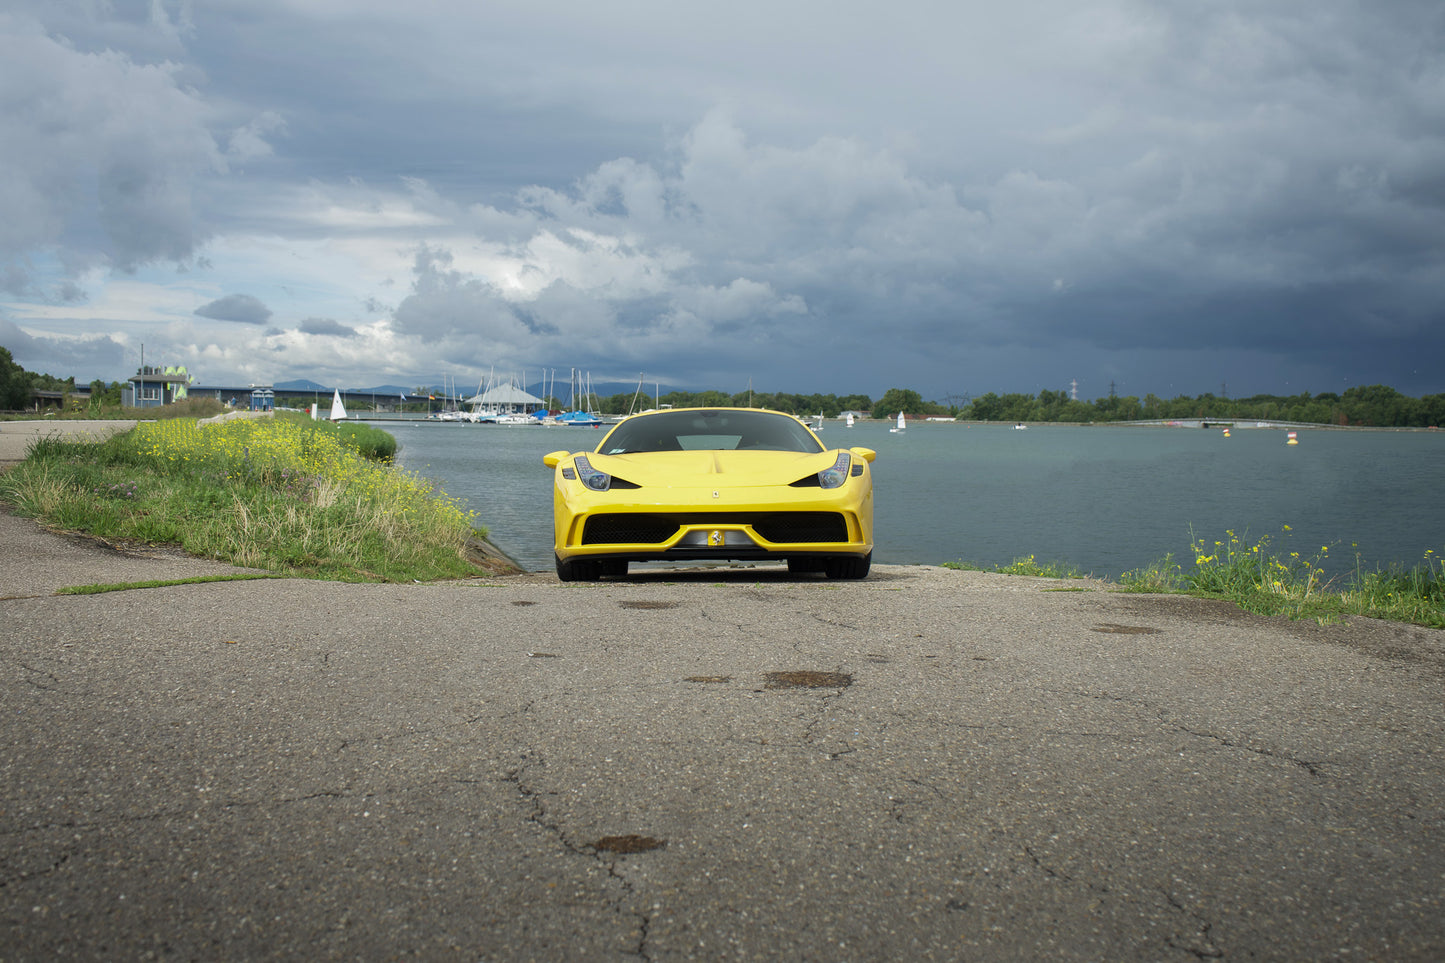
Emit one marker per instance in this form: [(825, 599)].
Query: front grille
[(802, 527), (627, 528), (645, 529)]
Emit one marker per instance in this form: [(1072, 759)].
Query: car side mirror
[(552, 458), (867, 454)]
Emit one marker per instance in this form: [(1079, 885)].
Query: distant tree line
[(18, 387), (1376, 406), (830, 406)]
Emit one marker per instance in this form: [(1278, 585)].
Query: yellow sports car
[(716, 484)]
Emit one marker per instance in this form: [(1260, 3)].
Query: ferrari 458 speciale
[(716, 484)]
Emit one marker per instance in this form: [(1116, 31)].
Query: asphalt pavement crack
[(819, 717), (44, 680), (1163, 715), (50, 870), (1203, 948), (1043, 867), (538, 816), (898, 805), (629, 892), (535, 798), (1312, 768)]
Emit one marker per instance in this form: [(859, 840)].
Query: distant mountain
[(299, 385), (303, 385), (602, 389), (387, 391)]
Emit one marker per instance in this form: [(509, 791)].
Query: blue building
[(151, 387)]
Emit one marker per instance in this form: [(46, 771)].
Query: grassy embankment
[(1260, 578), (285, 494)]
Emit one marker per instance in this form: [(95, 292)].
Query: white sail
[(338, 410), (850, 419), (902, 425)]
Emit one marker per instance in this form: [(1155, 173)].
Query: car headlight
[(591, 477), (835, 475)]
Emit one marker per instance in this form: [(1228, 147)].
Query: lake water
[(1102, 499)]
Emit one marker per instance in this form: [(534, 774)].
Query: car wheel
[(849, 567), (578, 570)]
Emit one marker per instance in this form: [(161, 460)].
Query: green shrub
[(278, 494)]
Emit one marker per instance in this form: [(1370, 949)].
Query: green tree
[(1017, 406), (1432, 407), (986, 407), (1377, 405), (1052, 404), (895, 400), (16, 383)]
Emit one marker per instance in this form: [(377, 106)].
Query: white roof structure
[(501, 396)]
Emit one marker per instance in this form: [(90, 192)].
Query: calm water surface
[(1105, 500)]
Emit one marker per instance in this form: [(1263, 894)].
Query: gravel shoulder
[(16, 437)]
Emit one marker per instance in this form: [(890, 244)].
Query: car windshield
[(709, 430)]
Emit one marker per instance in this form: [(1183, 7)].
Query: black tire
[(851, 567), (578, 570), (804, 566)]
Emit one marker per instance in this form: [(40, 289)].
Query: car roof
[(667, 411), (668, 419)]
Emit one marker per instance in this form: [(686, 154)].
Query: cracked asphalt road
[(1002, 768)]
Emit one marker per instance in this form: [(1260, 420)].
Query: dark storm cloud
[(327, 328), (241, 308)]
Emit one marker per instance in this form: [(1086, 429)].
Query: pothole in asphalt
[(708, 678), (631, 843), (1116, 629), (808, 680), (522, 602), (646, 604)]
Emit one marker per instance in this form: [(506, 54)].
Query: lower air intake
[(782, 527)]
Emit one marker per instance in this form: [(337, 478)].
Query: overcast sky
[(946, 195)]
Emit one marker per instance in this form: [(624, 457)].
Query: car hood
[(713, 468)]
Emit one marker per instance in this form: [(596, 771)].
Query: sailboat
[(902, 425), (817, 424), (338, 410), (577, 417), (850, 419)]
